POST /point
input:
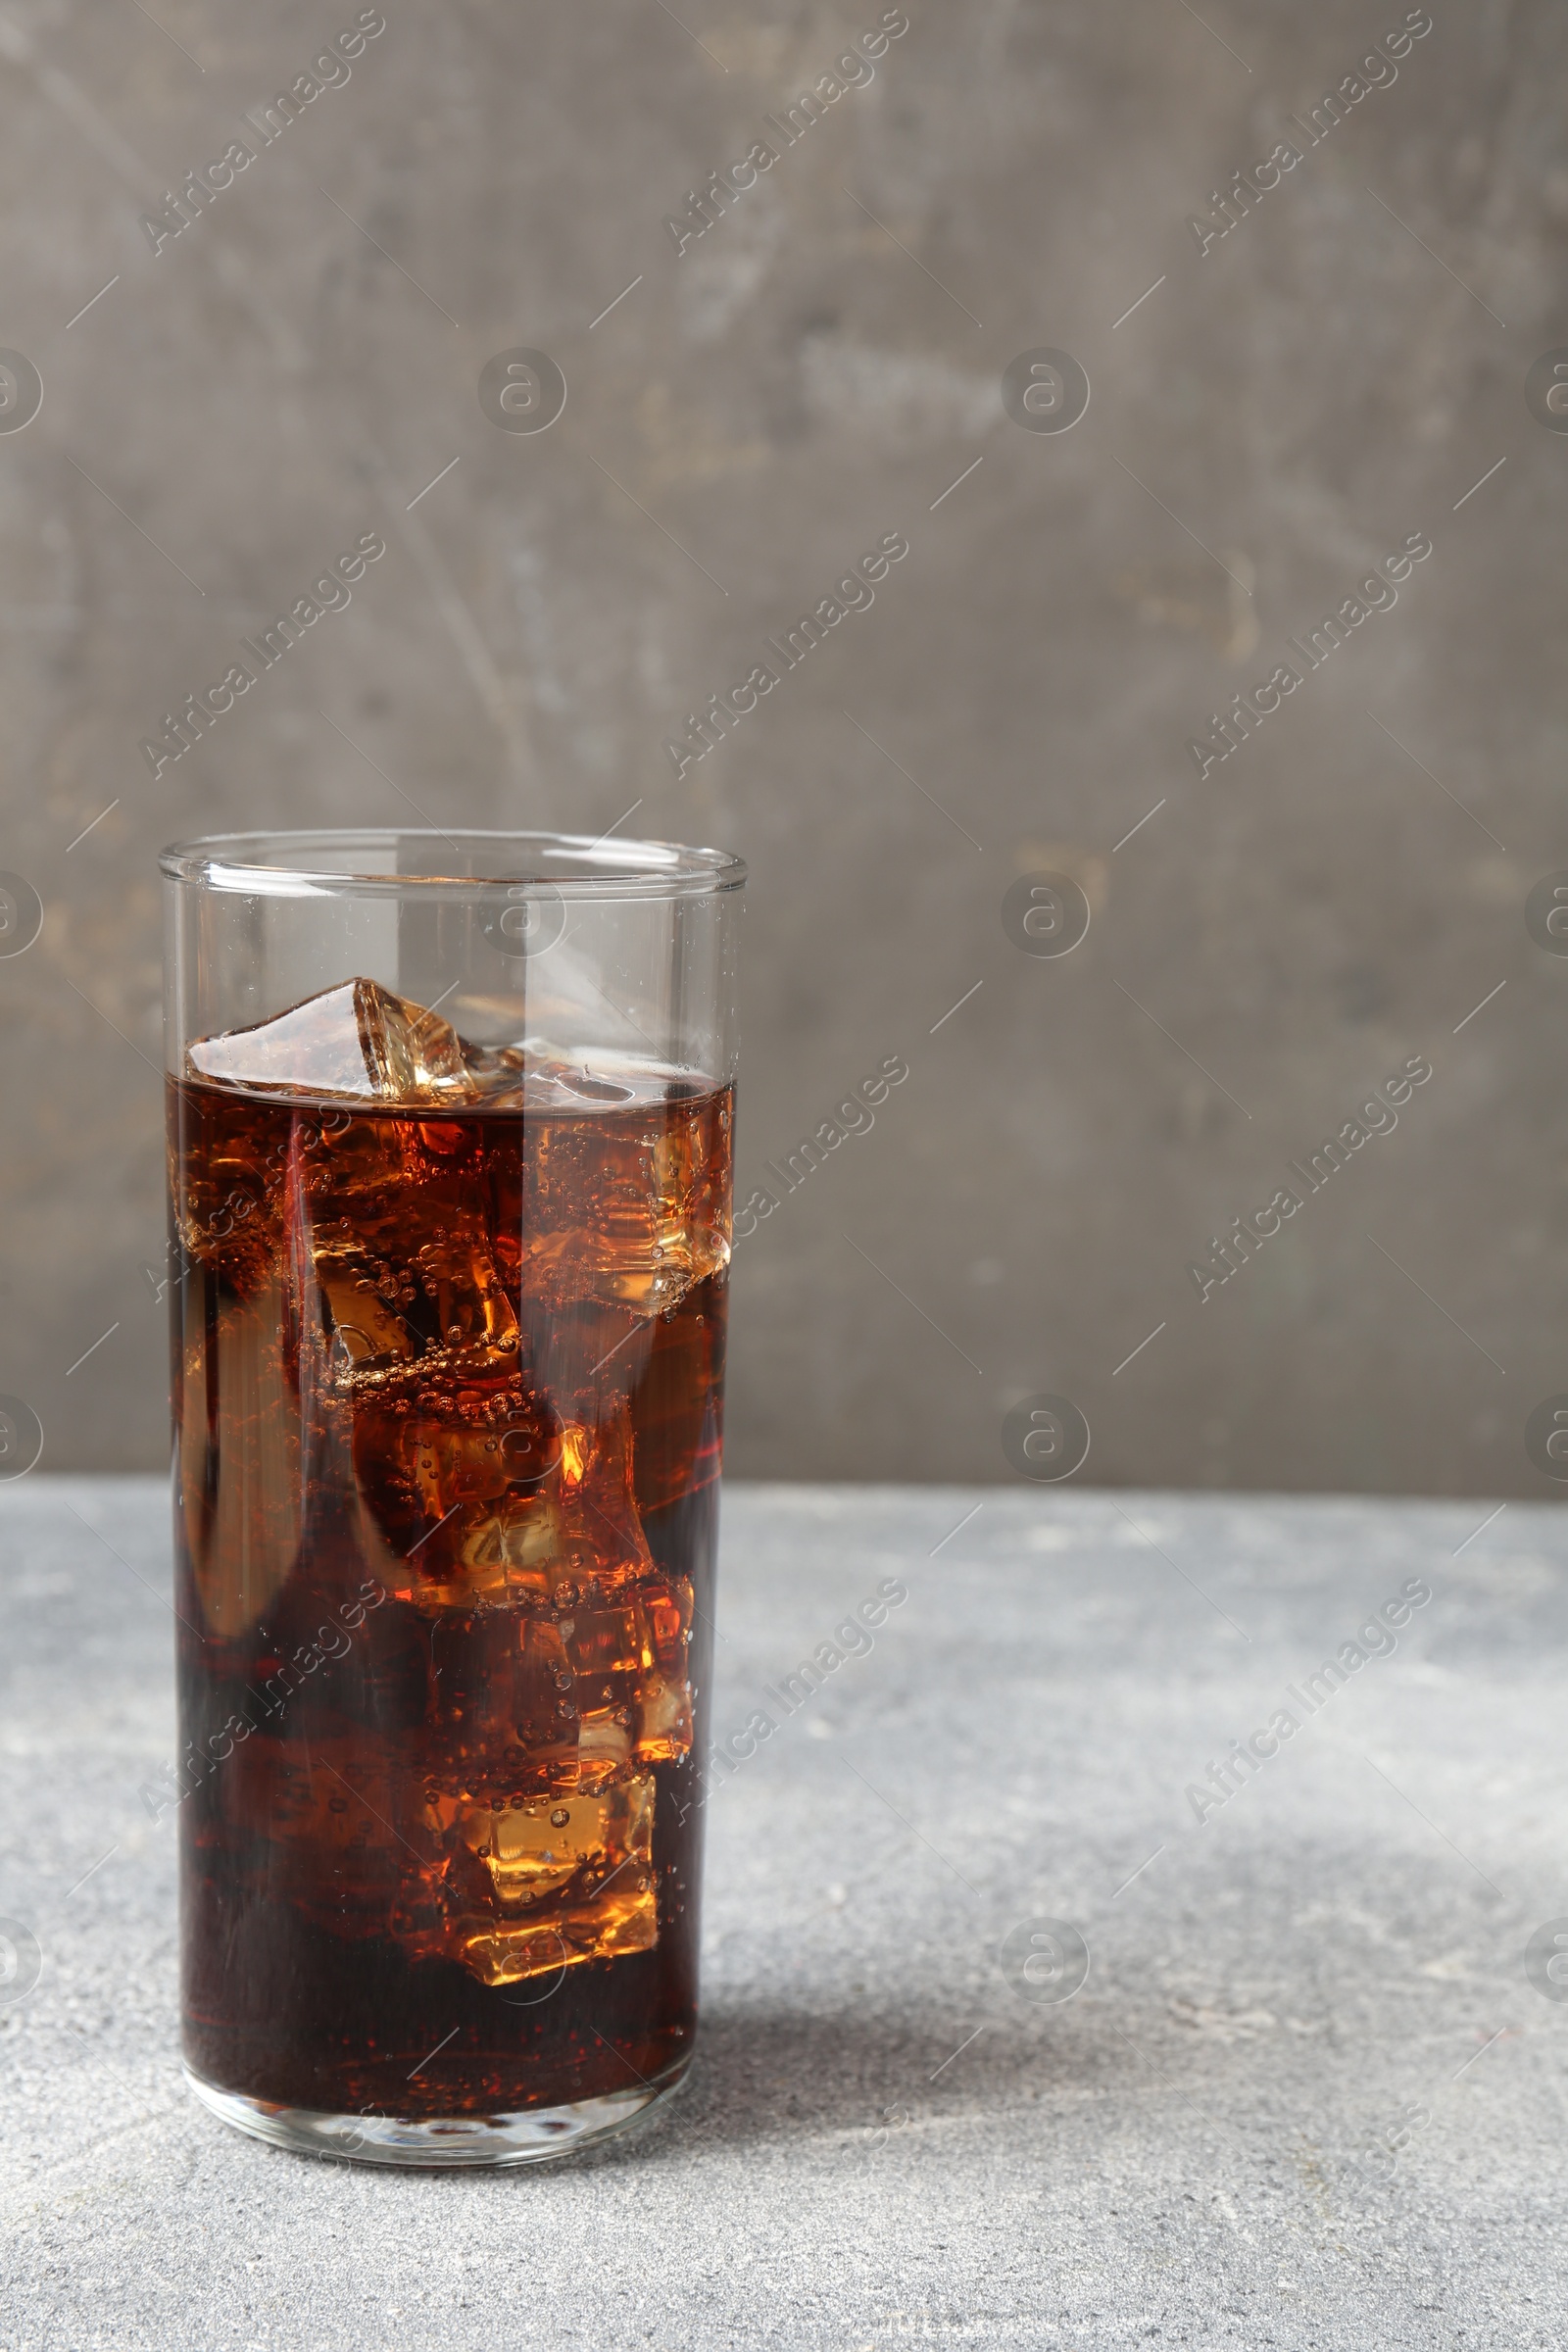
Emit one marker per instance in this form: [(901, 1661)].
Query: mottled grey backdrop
[(1284, 409)]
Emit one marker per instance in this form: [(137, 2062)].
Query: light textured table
[(884, 2141)]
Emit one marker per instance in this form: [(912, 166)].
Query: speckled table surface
[(1310, 2091)]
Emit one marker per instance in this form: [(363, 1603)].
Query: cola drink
[(447, 1335)]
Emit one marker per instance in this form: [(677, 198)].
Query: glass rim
[(292, 863)]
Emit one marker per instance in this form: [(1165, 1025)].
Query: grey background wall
[(1282, 410)]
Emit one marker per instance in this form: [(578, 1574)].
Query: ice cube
[(628, 1659), (620, 1214), (490, 1496), (358, 1043), (531, 1075), (563, 1879)]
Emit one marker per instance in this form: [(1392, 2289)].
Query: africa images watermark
[(201, 189), (1375, 594), (332, 1641), (853, 1638), (183, 729), (1374, 1117), (853, 1116), (706, 206), (1376, 71), (1376, 1638), (707, 729)]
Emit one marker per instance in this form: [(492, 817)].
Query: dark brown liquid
[(447, 1396)]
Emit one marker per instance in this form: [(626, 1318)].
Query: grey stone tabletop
[(1282, 1774)]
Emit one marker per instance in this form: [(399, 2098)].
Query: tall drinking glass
[(450, 1129)]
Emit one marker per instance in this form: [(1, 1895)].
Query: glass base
[(531, 2135)]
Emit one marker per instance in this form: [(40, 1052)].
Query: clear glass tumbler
[(450, 1124)]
